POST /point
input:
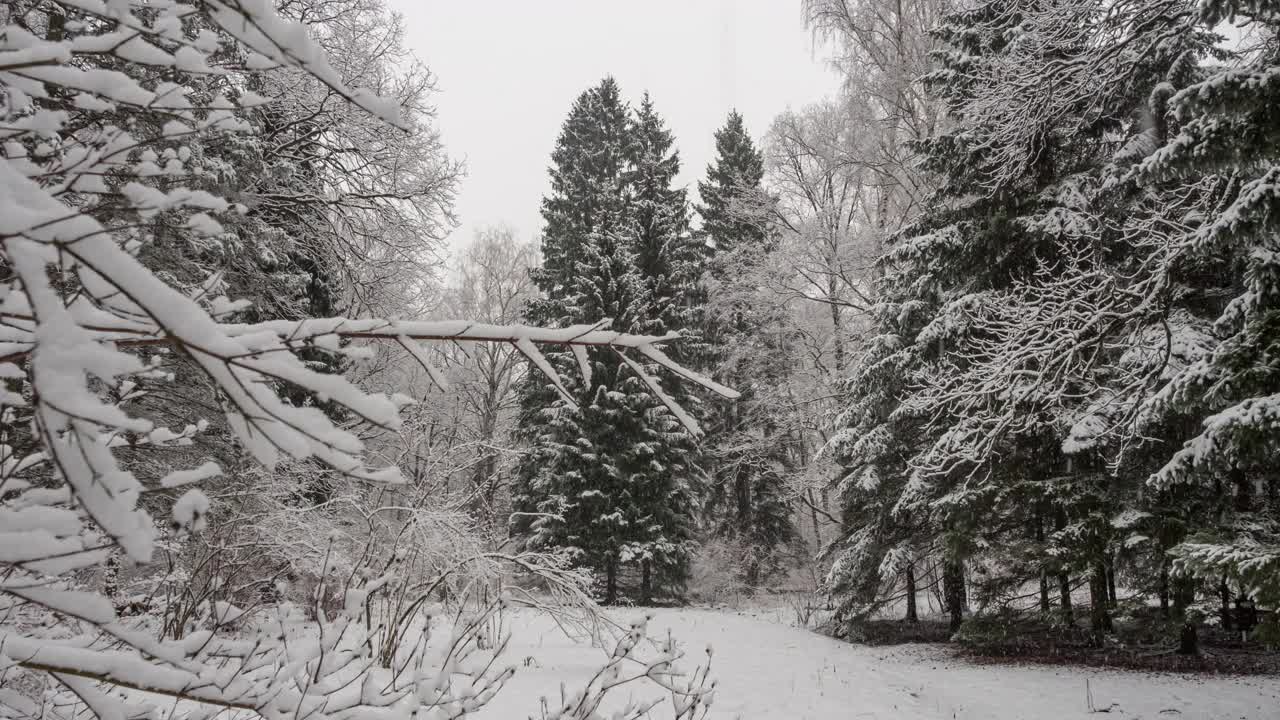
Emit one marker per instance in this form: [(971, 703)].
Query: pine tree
[(745, 339), (613, 482)]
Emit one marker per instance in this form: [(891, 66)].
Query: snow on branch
[(17, 339), (101, 105), (1031, 355)]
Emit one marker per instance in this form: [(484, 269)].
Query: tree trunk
[(1099, 618), (742, 497), (1164, 586), (837, 330), (611, 581), (911, 593), (1064, 580), (1184, 595), (953, 586), (1064, 592), (1243, 491), (111, 577), (813, 515), (1224, 593), (485, 481), (1044, 574), (1112, 599), (1188, 639)]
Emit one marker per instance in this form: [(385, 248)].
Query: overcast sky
[(509, 70)]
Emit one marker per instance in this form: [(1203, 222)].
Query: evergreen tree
[(1071, 374), (745, 338), (610, 482), (934, 272), (972, 377), (668, 259), (669, 265), (732, 210), (1223, 138)]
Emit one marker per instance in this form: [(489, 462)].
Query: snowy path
[(767, 670)]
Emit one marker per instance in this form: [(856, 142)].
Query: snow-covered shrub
[(691, 695), (261, 544), (717, 573), (808, 607), (100, 103)]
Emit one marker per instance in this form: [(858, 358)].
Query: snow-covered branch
[(108, 116)]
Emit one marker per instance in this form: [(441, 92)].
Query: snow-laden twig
[(100, 104)]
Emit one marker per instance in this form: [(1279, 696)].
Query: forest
[(974, 353)]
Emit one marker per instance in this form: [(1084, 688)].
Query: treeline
[(1066, 393)]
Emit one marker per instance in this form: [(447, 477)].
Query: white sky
[(509, 70)]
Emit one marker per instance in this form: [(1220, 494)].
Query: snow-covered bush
[(101, 102), (691, 695), (717, 571)]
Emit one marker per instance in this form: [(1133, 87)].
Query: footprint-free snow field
[(768, 670)]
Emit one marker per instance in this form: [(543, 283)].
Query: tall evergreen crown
[(614, 482)]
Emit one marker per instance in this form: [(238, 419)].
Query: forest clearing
[(423, 360)]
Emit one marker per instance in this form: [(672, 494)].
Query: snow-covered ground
[(767, 669)]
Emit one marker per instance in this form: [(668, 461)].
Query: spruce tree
[(613, 481), (732, 211), (667, 256), (1070, 379), (979, 411), (953, 254), (1223, 140), (669, 266), (745, 338)]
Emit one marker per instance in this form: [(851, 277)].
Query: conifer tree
[(745, 346), (669, 265), (1223, 138), (668, 258), (980, 417), (934, 270), (1070, 376), (732, 211), (611, 482)]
